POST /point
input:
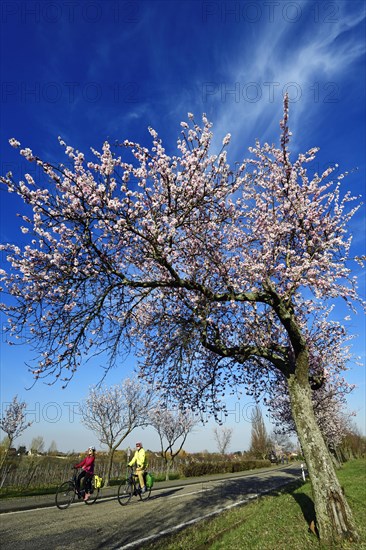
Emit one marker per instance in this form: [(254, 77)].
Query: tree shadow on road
[(164, 494), (208, 498)]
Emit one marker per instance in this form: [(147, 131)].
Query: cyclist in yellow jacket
[(140, 460)]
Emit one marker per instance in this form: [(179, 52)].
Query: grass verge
[(278, 521), (18, 492)]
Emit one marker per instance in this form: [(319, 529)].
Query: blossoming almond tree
[(173, 427), (113, 412), (13, 423), (215, 273)]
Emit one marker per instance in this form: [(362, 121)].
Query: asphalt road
[(107, 525)]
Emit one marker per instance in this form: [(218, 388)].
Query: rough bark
[(109, 467), (334, 518), (168, 466)]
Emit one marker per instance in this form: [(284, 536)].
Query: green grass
[(279, 521), (13, 492)]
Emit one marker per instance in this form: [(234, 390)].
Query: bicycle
[(131, 487), (67, 491)]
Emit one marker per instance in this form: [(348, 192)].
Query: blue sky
[(94, 70)]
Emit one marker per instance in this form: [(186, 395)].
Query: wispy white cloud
[(311, 64)]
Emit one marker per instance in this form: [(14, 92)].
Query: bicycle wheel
[(125, 492), (65, 495), (146, 495)]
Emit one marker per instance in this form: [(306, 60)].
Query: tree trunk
[(168, 465), (6, 452), (3, 458), (109, 467), (334, 518)]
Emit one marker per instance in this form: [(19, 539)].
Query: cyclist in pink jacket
[(87, 466)]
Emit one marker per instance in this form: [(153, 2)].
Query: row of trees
[(261, 444), (36, 447), (222, 278), (112, 413)]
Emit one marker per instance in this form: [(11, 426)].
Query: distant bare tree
[(260, 444), (222, 436), (37, 445), (53, 447)]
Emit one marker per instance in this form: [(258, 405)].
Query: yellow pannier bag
[(98, 481)]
